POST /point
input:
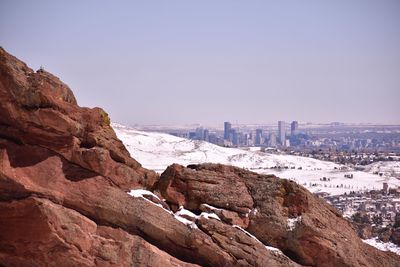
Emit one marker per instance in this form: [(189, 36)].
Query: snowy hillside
[(386, 168), (157, 151)]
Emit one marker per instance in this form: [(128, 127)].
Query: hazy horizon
[(180, 62), (220, 125)]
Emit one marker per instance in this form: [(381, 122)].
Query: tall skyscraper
[(246, 138), (259, 136), (206, 135), (293, 128), (282, 133), (227, 129), (234, 136), (200, 133), (272, 140)]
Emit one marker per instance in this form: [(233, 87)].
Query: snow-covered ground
[(386, 168), (336, 183), (389, 246), (157, 151)]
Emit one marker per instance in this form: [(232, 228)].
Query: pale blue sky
[(175, 62)]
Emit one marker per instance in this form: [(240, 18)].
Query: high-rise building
[(234, 137), (246, 139), (293, 128), (206, 135), (227, 129), (213, 138), (272, 140), (259, 136), (282, 133), (200, 133), (192, 135)]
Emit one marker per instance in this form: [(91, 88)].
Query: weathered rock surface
[(39, 232), (110, 206), (280, 212), (38, 109), (63, 182), (248, 250)]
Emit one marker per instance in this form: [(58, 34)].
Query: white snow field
[(157, 151), (386, 168)]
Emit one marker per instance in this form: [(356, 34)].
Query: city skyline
[(180, 62), (316, 140)]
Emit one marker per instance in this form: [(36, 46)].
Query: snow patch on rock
[(210, 216), (141, 193), (292, 222), (273, 249), (185, 221), (188, 213), (211, 207)]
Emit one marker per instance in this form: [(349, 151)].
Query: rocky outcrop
[(64, 178), (110, 206), (280, 213), (39, 232), (38, 109)]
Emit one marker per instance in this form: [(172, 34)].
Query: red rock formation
[(39, 232), (63, 182), (108, 205), (38, 109), (280, 213)]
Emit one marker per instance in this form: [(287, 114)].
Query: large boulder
[(280, 213)]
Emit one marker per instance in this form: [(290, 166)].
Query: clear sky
[(177, 62)]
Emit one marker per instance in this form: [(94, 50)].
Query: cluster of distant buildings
[(377, 205), (326, 142), (234, 137), (354, 158)]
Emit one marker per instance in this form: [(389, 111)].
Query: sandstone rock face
[(110, 206), (63, 200), (41, 233), (280, 213), (38, 109)]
